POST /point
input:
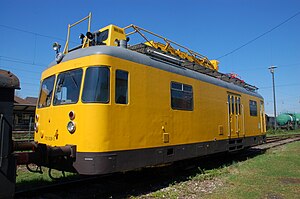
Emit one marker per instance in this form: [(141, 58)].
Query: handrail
[(137, 29), (66, 49)]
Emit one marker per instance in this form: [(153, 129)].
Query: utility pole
[(272, 70)]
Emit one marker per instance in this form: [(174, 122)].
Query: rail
[(128, 181), (196, 56), (89, 17)]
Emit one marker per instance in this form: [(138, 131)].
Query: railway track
[(281, 137), (276, 141), (121, 185)]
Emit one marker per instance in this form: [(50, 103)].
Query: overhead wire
[(20, 69), (280, 66), (278, 86), (34, 33), (30, 32), (10, 59), (284, 94), (261, 35)]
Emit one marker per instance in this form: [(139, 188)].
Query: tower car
[(105, 107)]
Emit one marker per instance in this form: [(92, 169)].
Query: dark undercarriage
[(66, 158)]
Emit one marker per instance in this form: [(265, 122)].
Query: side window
[(239, 105), (232, 105), (121, 87), (96, 85), (229, 104), (253, 108), (181, 96), (46, 92)]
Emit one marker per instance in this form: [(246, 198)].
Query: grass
[(209, 174), (282, 132), (27, 179), (275, 174)]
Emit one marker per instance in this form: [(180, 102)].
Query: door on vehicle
[(235, 116), (262, 118)]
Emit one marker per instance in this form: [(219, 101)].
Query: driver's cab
[(110, 35)]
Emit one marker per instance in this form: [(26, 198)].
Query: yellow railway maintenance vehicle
[(105, 106)]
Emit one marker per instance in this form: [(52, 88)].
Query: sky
[(246, 36)]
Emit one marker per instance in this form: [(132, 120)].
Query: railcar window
[(229, 104), (181, 96), (46, 92), (232, 104), (96, 85), (101, 36), (236, 106), (67, 87), (121, 87), (239, 105), (253, 108)]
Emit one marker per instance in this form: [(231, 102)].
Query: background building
[(23, 117)]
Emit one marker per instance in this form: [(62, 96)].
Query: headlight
[(56, 47), (71, 115), (36, 127), (71, 127)]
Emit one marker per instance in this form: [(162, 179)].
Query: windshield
[(67, 87), (96, 85), (46, 92)]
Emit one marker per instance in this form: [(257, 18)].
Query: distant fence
[(23, 130), (23, 135)]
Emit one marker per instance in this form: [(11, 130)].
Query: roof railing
[(196, 56), (89, 17)]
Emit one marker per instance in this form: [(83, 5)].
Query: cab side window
[(121, 96), (96, 85)]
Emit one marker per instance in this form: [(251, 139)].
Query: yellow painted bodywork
[(147, 120), (215, 64), (114, 33)]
